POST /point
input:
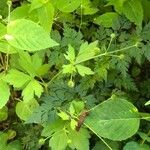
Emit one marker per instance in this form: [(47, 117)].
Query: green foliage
[(4, 91), (3, 113), (25, 109), (111, 115), (74, 72), (18, 33), (106, 19), (134, 145)]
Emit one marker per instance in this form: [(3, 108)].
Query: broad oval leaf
[(107, 19), (4, 93), (133, 11), (115, 119), (25, 109), (3, 113), (27, 35), (136, 146)]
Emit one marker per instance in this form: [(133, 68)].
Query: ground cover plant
[(74, 75)]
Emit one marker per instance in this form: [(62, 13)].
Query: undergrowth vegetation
[(74, 75)]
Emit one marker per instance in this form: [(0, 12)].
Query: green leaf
[(5, 47), (32, 64), (69, 68), (100, 145), (59, 140), (43, 70), (146, 33), (32, 88), (3, 29), (107, 19), (88, 8), (146, 49), (79, 140), (28, 64), (87, 51), (118, 4), (53, 127), (63, 115), (19, 12), (134, 145), (36, 4), (146, 8), (70, 54), (133, 11), (73, 124), (4, 93), (114, 118), (68, 5), (76, 107), (102, 70), (3, 113), (16, 78), (82, 70), (3, 140), (47, 11), (144, 136), (18, 35), (15, 145), (147, 103), (25, 109)]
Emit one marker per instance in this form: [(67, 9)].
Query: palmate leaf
[(79, 140), (31, 64), (23, 81), (87, 51), (82, 70), (70, 54), (18, 36), (61, 137), (16, 78), (116, 119), (33, 88)]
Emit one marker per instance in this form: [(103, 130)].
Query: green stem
[(9, 3), (109, 44), (1, 58), (81, 20), (107, 53), (60, 72), (104, 54), (143, 141), (44, 84), (7, 61), (99, 137)]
